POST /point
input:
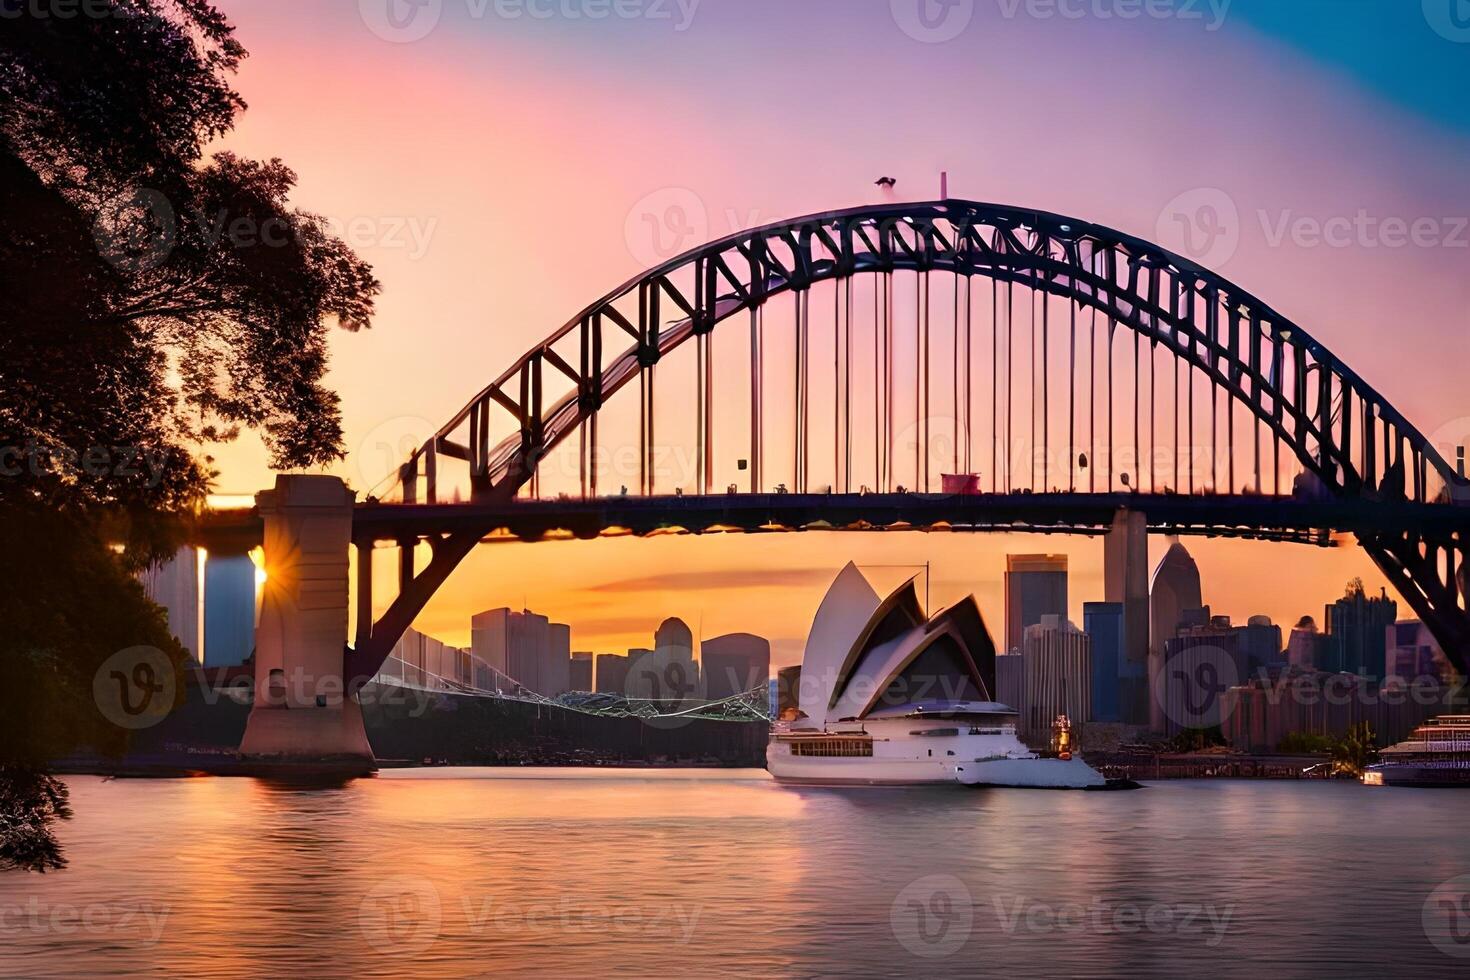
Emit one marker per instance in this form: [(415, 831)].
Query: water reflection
[(31, 805), (623, 873)]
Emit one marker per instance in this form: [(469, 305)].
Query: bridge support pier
[(303, 720)]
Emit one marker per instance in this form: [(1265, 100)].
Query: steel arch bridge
[(1133, 339)]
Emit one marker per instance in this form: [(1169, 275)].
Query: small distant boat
[(890, 696), (1436, 754)]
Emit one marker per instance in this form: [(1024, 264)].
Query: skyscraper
[(530, 649), (643, 678), (1125, 581), (1036, 586), (734, 664), (556, 662), (612, 673), (674, 635), (1412, 653), (1104, 622), (1356, 628), (581, 672), (1260, 644), (1201, 662), (1174, 588), (1306, 648), (1058, 674), (229, 610), (174, 585)]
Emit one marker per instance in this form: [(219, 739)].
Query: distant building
[(424, 661), (1010, 680), (612, 673), (1104, 622), (788, 691), (1411, 653), (532, 650), (1306, 647), (643, 680), (556, 664), (1255, 717), (1357, 630), (1035, 586), (174, 585), (229, 610), (1203, 659), (580, 673), (674, 635), (1126, 581), (1058, 674), (734, 664), (1173, 589), (1260, 644)]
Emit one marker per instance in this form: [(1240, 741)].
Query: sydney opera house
[(890, 695)]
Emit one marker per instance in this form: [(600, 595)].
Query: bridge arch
[(1337, 428)]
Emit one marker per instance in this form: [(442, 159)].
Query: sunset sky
[(498, 170)]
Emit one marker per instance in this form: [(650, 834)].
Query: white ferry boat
[(1436, 754), (890, 696)]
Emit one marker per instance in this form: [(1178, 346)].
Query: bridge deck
[(1242, 516)]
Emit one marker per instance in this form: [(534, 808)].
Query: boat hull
[(1030, 773), (1427, 776)]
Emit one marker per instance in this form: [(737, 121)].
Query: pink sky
[(496, 171)]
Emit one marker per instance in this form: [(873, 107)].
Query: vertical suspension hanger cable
[(1045, 390), (756, 421), (1072, 395), (1031, 394), (847, 286), (888, 366)]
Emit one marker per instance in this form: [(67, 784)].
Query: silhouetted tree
[(153, 299), (1355, 751)]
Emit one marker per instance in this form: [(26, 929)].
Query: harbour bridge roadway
[(1266, 518)]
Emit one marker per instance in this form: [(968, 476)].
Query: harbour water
[(575, 873)]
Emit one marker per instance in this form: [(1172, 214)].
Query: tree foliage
[(151, 297), (155, 297)]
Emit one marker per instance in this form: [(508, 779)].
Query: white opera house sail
[(890, 695)]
